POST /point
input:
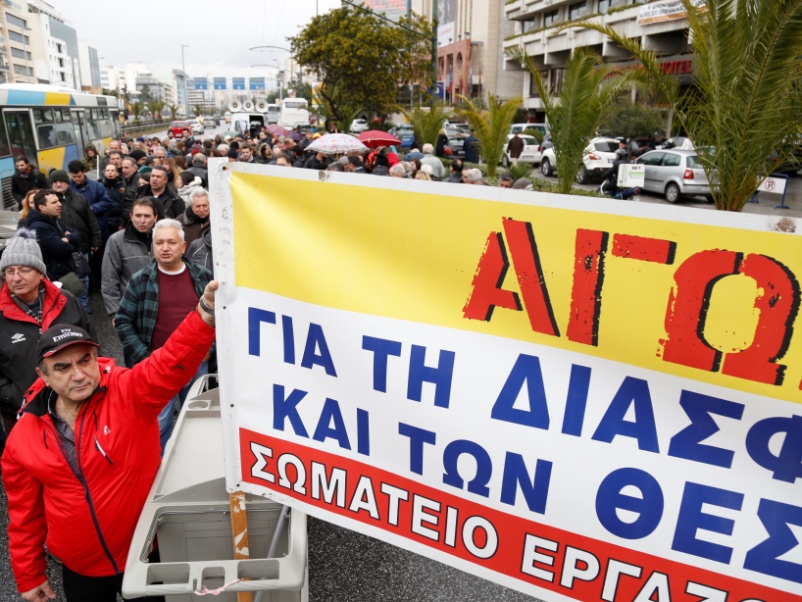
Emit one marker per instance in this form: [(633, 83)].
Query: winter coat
[(87, 516), (99, 201), (193, 225), (186, 192), (124, 256), (200, 172), (440, 145), (130, 195), (23, 184), (111, 221), (56, 253), (200, 251), (168, 203), (79, 217), (139, 307), (19, 334)]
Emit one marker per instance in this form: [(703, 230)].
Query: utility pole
[(434, 52)]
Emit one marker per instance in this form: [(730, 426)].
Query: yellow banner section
[(705, 302)]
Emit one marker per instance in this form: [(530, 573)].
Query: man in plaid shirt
[(155, 302)]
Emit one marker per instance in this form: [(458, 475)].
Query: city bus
[(51, 126)]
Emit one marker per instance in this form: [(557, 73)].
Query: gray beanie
[(22, 249)]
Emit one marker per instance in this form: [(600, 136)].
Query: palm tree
[(427, 122), (491, 127), (198, 110), (173, 110), (748, 89), (155, 107), (588, 93), (136, 109)]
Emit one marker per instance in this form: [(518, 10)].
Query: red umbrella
[(374, 138), (277, 130)]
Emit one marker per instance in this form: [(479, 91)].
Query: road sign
[(219, 83), (238, 83), (773, 184)]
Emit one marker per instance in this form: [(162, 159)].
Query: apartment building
[(661, 26), (469, 55), (55, 45), (16, 51)]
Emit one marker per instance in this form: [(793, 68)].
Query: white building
[(55, 45), (660, 26), (469, 58), (110, 78)]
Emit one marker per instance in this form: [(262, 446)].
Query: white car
[(197, 127), (596, 162), (358, 126), (530, 154)]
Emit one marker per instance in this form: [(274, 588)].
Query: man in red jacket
[(79, 464)]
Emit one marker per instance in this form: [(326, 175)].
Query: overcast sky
[(219, 32)]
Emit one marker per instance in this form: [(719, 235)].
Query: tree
[(155, 107), (144, 93), (427, 122), (136, 109), (361, 59), (491, 127), (633, 120), (748, 88), (173, 110), (576, 112), (198, 109)]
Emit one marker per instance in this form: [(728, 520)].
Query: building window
[(556, 81), (23, 70), (606, 5), (58, 49), (533, 90), (527, 24), (15, 21), (578, 10), (20, 54), (17, 37), (551, 17), (61, 63)]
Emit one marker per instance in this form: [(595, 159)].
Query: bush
[(633, 121)]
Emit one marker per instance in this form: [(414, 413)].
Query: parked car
[(178, 127), (596, 162), (405, 134), (680, 142), (197, 127), (675, 173), (530, 154), (543, 128), (358, 126), (455, 147)]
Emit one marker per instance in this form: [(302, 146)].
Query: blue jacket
[(102, 206)]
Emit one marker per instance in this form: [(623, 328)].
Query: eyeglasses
[(23, 271)]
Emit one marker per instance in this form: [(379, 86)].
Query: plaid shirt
[(139, 307)]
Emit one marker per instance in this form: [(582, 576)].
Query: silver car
[(675, 173)]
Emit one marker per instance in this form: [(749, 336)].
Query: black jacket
[(79, 217), (130, 194), (200, 172), (56, 253), (168, 204), (200, 251), (23, 184)]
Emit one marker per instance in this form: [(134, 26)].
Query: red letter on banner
[(487, 292), (583, 323), (526, 262), (655, 250), (778, 305), (688, 305)]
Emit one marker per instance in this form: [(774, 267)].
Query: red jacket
[(87, 518)]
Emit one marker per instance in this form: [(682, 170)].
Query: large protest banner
[(579, 398)]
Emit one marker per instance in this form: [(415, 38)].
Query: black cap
[(60, 336)]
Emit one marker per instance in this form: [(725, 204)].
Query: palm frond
[(491, 127)]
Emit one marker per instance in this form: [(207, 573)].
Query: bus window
[(5, 149), (114, 114), (92, 124), (46, 133), (20, 134), (106, 128)]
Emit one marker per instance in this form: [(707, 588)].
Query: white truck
[(294, 111)]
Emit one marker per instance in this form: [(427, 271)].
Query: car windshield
[(529, 141), (606, 146)]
